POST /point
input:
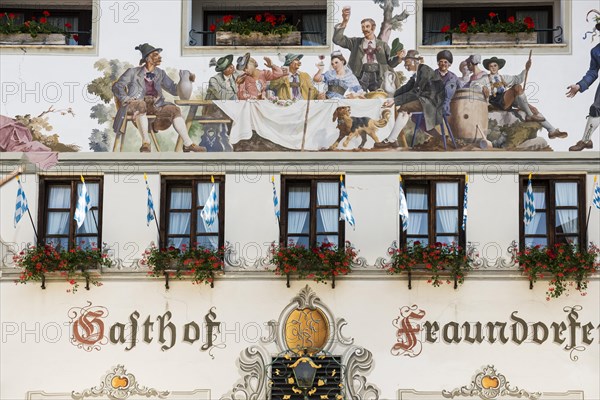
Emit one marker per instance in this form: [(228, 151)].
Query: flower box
[(494, 38), (27, 39), (258, 39)]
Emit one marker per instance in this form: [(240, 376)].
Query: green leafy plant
[(37, 261), (34, 27), (492, 24), (199, 263), (435, 259), (265, 23), (320, 263), (565, 264)]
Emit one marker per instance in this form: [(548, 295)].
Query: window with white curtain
[(182, 204), (58, 200), (310, 211), (308, 16), (559, 217), (546, 15), (435, 208)]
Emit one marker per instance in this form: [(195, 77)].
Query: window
[(310, 18), (435, 208), (57, 211), (558, 215), (311, 210), (552, 19), (78, 14), (183, 200)]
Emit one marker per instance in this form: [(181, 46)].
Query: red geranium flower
[(227, 18), (511, 19), (445, 28), (473, 22), (43, 20), (529, 22), (11, 16), (463, 27), (281, 18), (46, 13), (212, 27), (68, 25), (258, 17), (26, 23), (492, 14)]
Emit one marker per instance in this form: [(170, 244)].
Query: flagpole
[(158, 228), (37, 239), (587, 222)]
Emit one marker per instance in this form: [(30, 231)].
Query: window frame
[(187, 17), (293, 180), (93, 25), (561, 11), (427, 181), (168, 182), (548, 181), (43, 209)]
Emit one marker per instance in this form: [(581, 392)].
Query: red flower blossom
[(445, 28), (46, 13), (27, 23), (492, 14), (529, 22), (281, 18), (11, 16), (258, 17), (473, 22), (75, 38), (68, 25), (227, 18), (463, 27), (43, 20), (511, 19), (212, 27)]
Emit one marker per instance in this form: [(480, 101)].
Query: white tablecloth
[(284, 125)]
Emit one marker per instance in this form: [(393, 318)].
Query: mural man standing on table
[(593, 119), (424, 92), (369, 57), (504, 90), (139, 90), (297, 85)]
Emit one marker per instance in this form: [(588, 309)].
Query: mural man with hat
[(450, 80), (370, 58), (424, 92), (593, 119), (297, 85), (504, 90), (139, 90)]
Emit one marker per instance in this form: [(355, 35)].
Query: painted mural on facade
[(371, 93)]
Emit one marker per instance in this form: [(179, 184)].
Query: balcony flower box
[(320, 263), (258, 39), (442, 262), (494, 38), (39, 262), (26, 39), (199, 263)]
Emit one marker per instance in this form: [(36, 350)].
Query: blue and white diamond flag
[(211, 208), (465, 202), (150, 203), (403, 208), (21, 205), (529, 206), (84, 203), (345, 207), (596, 199), (275, 200)]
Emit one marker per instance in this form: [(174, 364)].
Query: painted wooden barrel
[(468, 114)]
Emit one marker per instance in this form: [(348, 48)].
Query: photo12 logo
[(87, 327)]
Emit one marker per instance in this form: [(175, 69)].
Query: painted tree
[(390, 21)]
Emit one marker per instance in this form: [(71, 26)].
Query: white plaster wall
[(62, 80), (17, 238), (242, 306)]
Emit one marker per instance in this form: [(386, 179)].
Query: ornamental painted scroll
[(119, 385), (305, 325), (489, 385)]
